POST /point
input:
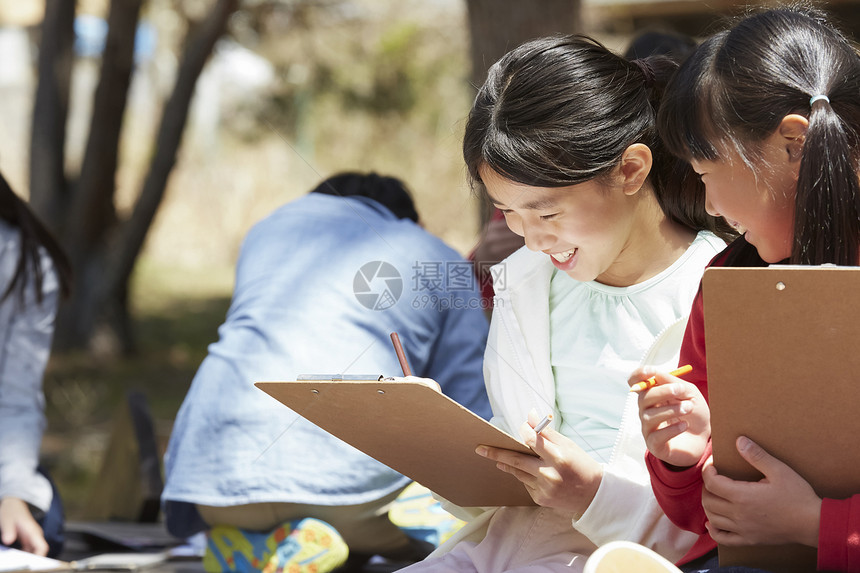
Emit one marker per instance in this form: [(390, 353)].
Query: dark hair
[(561, 110), (389, 191), (739, 85), (34, 236), (656, 42)]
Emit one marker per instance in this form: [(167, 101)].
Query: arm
[(839, 535), (676, 456), (679, 491), (477, 516)]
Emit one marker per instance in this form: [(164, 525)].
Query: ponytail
[(827, 219)]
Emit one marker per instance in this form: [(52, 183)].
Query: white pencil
[(543, 423)]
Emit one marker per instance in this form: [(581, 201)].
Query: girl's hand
[(17, 523), (676, 420), (563, 477), (780, 508)]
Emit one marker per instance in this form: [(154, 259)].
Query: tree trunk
[(47, 175), (93, 216), (197, 51), (173, 120), (498, 26), (99, 317)]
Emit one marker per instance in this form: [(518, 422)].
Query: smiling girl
[(562, 139)]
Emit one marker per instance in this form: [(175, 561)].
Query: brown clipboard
[(414, 430), (782, 369)]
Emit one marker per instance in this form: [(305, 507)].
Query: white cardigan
[(518, 349)]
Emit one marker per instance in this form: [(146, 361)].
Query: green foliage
[(395, 82)]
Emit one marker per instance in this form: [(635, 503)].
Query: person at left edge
[(34, 275)]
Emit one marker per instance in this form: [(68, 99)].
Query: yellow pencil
[(651, 382)]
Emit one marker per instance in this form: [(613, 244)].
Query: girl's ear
[(792, 129), (635, 166)]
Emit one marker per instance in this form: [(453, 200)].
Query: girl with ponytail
[(562, 138), (768, 114)]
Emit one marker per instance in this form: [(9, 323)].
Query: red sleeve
[(679, 493), (693, 346), (839, 535)]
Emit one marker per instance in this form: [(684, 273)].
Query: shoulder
[(701, 251), (739, 253), (707, 244), (711, 240), (316, 221)]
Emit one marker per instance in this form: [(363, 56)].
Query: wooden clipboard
[(413, 429), (782, 349)]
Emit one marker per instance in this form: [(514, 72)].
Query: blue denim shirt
[(320, 285)]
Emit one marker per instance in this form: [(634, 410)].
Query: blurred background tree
[(496, 26), (102, 247), (81, 207)]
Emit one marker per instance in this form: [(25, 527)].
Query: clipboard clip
[(339, 377)]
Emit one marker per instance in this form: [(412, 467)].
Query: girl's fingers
[(657, 439), (514, 460), (526, 478), (665, 414), (725, 537)]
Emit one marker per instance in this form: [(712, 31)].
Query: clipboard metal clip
[(339, 377)]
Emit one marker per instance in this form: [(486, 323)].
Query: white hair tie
[(815, 98)]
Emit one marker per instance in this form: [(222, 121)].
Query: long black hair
[(34, 236), (734, 91), (561, 110)]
